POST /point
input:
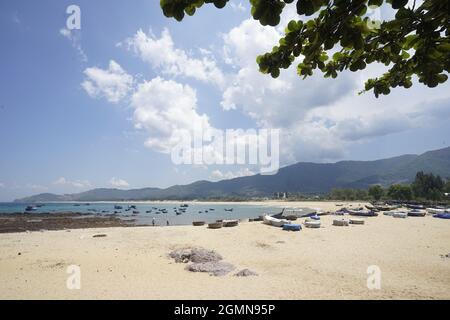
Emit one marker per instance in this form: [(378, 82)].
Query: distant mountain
[(304, 177)]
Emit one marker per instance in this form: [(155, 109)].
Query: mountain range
[(303, 177)]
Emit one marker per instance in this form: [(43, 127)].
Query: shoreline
[(23, 222)]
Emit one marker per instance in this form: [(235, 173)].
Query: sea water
[(208, 212)]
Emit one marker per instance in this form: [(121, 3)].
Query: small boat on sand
[(415, 206), (230, 223), (357, 221), (437, 211), (341, 223), (313, 224), (362, 213), (215, 225), (274, 221), (198, 223), (417, 213), (401, 215), (442, 216), (229, 210), (292, 227)]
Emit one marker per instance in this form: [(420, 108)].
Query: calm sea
[(147, 211)]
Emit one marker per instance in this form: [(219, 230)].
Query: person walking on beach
[(167, 223), (153, 221)]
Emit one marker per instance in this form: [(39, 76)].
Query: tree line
[(426, 187)]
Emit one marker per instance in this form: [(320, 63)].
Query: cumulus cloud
[(76, 183), (275, 103), (118, 183), (164, 108), (114, 83), (74, 36), (162, 54), (238, 7), (219, 175)]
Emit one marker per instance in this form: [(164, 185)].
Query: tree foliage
[(376, 192), (336, 35), (428, 186), (400, 192)]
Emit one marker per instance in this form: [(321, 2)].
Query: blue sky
[(63, 131)]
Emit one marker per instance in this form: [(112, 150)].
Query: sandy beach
[(326, 263)]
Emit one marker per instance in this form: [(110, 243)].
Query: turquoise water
[(195, 212)]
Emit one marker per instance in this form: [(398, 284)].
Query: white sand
[(326, 263)]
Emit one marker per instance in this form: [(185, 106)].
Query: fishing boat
[(30, 209), (417, 213), (401, 215), (230, 223), (442, 216), (198, 223), (184, 206), (215, 225), (229, 210), (357, 221), (274, 221), (341, 223), (135, 212), (362, 213), (292, 227), (313, 224), (436, 210), (116, 207), (415, 206)]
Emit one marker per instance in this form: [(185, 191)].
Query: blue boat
[(442, 216), (292, 227)]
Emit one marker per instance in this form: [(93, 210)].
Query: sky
[(101, 106)]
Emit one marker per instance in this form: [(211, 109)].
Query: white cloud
[(77, 183), (319, 118), (2, 185), (238, 7), (74, 36), (114, 84), (163, 108), (118, 183), (277, 103), (219, 175), (162, 54)]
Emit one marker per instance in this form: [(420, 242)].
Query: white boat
[(401, 215), (436, 211), (274, 221), (312, 223)]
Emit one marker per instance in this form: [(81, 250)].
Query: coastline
[(326, 263)]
